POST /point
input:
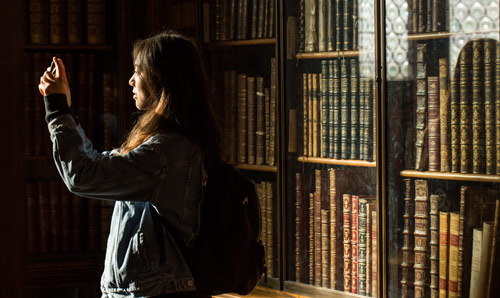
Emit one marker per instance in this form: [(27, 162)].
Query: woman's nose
[(131, 81)]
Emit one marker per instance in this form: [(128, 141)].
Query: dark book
[(355, 110), (444, 115), (305, 113), (254, 20), (421, 157), (433, 123), (336, 109), (233, 112), (92, 98), (363, 246), (267, 109), (273, 94), (260, 20), (44, 227), (239, 19), (465, 110), (311, 239), (303, 185), (270, 31), (414, 16), (251, 124), (497, 106), (331, 111), (478, 117), (82, 90), (421, 233), (38, 115), (311, 34), (96, 21), (362, 119), (489, 106), (347, 25), (408, 242), (428, 15), (266, 18), (38, 21), (302, 26), (339, 21), (316, 114), (434, 244), (218, 22), (57, 22), (260, 128), (55, 216), (225, 20), (232, 18), (270, 256), (29, 103), (242, 119), (455, 120), (345, 122), (422, 15), (370, 118), (32, 222), (324, 109), (66, 216), (310, 100), (330, 21), (321, 27)]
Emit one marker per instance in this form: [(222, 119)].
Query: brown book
[(303, 188), (408, 242), (321, 28), (55, 216), (233, 112), (32, 233), (311, 34), (492, 286), (453, 256), (38, 26), (347, 213), (334, 224), (57, 21), (242, 119), (354, 243), (325, 248), (444, 115), (273, 93), (311, 239), (270, 22), (292, 131), (497, 106), (317, 228), (38, 121), (251, 124), (374, 259), (260, 129), (455, 120), (270, 256), (489, 106), (305, 114), (310, 113), (465, 110), (267, 109), (421, 156), (316, 121), (433, 123), (478, 121), (444, 229), (421, 233), (434, 244), (74, 19), (96, 21)]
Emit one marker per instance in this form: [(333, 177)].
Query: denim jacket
[(164, 173)]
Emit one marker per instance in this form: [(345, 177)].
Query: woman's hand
[(57, 82)]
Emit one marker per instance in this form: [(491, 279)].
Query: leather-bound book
[(478, 117), (362, 118), (38, 26), (325, 248), (251, 123), (347, 242), (453, 256), (57, 22), (434, 245), (421, 157), (355, 110), (455, 120), (317, 228), (311, 239), (321, 17), (331, 111), (330, 21), (489, 105), (492, 286), (96, 21), (273, 94), (336, 109), (260, 116), (305, 113), (302, 26), (354, 244), (311, 35), (345, 116), (242, 119), (29, 102), (363, 204), (497, 106), (335, 222), (444, 115), (347, 24), (465, 110), (444, 231), (421, 233), (407, 270), (339, 21), (433, 123), (324, 109), (316, 121)]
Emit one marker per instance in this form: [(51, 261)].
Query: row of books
[(458, 119), (335, 231), (242, 19), (328, 25), (89, 87), (249, 123), (58, 221), (265, 191), (452, 262), (337, 112), (67, 21), (428, 16)]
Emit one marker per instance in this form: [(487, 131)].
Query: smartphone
[(52, 67)]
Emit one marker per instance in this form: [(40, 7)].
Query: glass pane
[(443, 102), (331, 172)]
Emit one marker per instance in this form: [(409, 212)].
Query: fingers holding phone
[(54, 80)]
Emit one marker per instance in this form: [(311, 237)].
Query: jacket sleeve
[(129, 177)]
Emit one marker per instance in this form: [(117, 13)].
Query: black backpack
[(227, 255)]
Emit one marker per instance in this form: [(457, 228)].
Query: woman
[(157, 170)]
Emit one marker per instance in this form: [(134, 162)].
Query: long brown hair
[(178, 90)]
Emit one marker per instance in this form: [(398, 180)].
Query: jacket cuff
[(57, 105)]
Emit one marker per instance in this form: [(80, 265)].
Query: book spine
[(317, 229), (251, 111), (347, 25), (44, 228), (38, 121), (260, 26), (260, 130), (408, 243), (253, 29), (218, 21), (362, 119), (453, 256), (433, 123), (330, 21), (485, 259), (232, 19), (298, 227), (355, 110), (244, 20), (38, 26), (225, 19), (339, 19), (66, 219), (465, 112), (444, 118), (369, 207), (242, 118), (354, 243), (346, 198), (489, 106), (455, 120), (270, 228), (324, 109), (55, 216), (428, 15), (302, 26), (370, 117), (267, 109), (29, 103), (336, 110), (266, 17), (434, 244), (374, 259), (32, 209), (334, 224), (422, 20), (325, 248), (421, 239), (462, 248), (494, 259), (421, 112), (310, 120), (355, 25), (478, 117), (96, 21), (414, 16), (305, 113), (476, 261), (321, 25), (74, 18), (310, 29), (497, 107), (315, 115), (311, 239), (362, 249), (444, 227), (271, 19), (345, 110), (273, 110)]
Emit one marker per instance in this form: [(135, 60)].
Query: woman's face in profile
[(139, 91)]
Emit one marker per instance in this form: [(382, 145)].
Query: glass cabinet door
[(443, 148), (329, 104)]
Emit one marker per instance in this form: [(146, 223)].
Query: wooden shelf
[(343, 162), (451, 176), (262, 292), (327, 55), (68, 47), (257, 168), (246, 42), (306, 290), (444, 35)]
